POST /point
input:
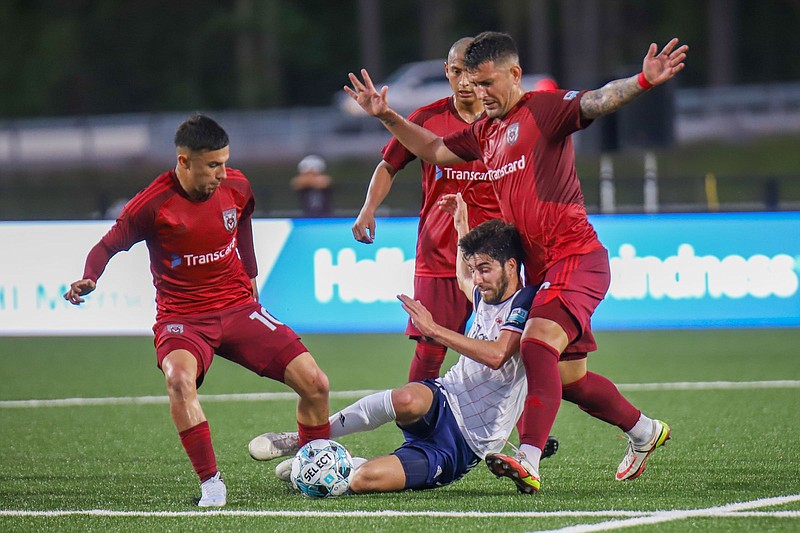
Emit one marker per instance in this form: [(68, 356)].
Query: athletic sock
[(427, 361), (599, 397), (197, 442), (367, 413), (532, 454), (642, 431), (544, 392), (309, 433)]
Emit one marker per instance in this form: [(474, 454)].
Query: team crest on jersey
[(513, 133), (175, 328), (229, 219)]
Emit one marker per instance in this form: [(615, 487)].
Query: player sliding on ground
[(449, 423)]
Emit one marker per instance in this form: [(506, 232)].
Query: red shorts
[(446, 302), (246, 335), (571, 291)]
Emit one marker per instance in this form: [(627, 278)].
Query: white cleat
[(270, 446), (635, 459), (214, 492), (284, 470)]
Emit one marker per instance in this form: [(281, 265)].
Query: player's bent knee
[(412, 400), (368, 478), (306, 378)]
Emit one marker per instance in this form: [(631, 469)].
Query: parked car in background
[(417, 84)]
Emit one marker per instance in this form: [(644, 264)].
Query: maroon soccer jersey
[(436, 236), (531, 163), (201, 252)]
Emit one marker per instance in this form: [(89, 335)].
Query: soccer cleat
[(273, 445), (633, 463), (518, 469), (284, 470), (214, 493), (550, 447)]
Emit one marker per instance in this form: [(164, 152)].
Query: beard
[(497, 293)]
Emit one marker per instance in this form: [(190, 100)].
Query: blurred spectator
[(313, 187)]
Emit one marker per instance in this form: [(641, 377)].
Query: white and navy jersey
[(487, 403)]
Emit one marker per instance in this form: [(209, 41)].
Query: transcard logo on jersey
[(229, 218), (210, 257), (513, 133)]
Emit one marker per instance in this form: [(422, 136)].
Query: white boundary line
[(634, 518), (355, 394), (722, 511)]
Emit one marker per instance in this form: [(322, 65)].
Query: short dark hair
[(494, 238), (489, 46), (200, 133)]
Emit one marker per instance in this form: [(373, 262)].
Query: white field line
[(633, 517), (722, 511), (355, 394)]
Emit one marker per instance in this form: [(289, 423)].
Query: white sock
[(367, 413), (642, 431), (532, 454)]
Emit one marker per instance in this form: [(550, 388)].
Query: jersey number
[(266, 319)]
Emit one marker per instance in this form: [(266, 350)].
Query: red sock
[(428, 359), (197, 442), (599, 397), (544, 392), (309, 433)]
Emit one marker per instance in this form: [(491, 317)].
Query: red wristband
[(643, 83)]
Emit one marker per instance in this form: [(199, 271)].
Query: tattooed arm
[(656, 70)]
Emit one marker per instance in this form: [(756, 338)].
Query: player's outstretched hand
[(365, 94), (455, 205), (364, 228), (420, 316), (659, 68), (79, 288)]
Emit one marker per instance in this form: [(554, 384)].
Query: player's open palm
[(658, 68), (365, 94), (419, 314)]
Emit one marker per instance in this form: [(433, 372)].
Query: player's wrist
[(643, 83)]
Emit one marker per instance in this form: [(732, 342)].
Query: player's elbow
[(496, 360)]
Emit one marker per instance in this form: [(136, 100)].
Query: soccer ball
[(321, 469)]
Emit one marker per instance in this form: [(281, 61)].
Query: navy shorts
[(435, 452)]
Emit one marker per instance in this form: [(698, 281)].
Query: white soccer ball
[(322, 469)]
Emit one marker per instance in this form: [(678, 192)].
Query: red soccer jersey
[(532, 165), (436, 236), (193, 244)]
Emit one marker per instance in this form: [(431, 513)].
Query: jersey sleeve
[(519, 310), (394, 152), (465, 143), (244, 239), (127, 231), (558, 113)]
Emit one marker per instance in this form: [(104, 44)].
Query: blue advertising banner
[(668, 271)]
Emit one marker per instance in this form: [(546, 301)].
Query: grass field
[(116, 464)]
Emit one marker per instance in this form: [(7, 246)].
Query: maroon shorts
[(246, 335), (571, 291), (446, 302)]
